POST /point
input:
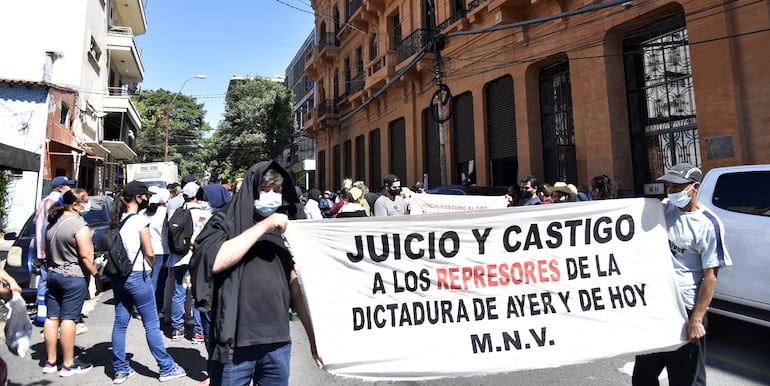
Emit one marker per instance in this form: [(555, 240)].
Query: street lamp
[(168, 110)]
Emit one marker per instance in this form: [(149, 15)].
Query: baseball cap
[(61, 180), (160, 195), (134, 188), (190, 190), (187, 179), (390, 179), (682, 173)]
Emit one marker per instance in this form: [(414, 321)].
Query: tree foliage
[(187, 128), (257, 126)]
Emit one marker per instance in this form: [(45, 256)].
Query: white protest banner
[(423, 203), (460, 294)]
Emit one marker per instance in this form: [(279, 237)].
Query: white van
[(740, 197)]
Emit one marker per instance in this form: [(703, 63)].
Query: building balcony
[(311, 67), (328, 113), (309, 118), (443, 27), (380, 70), (505, 11), (411, 44), (375, 6), (356, 84), (124, 54), (130, 13), (121, 124), (328, 47), (358, 15)]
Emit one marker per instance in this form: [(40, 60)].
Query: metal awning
[(20, 159)]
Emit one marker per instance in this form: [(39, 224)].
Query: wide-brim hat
[(563, 187)]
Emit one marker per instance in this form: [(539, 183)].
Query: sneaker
[(177, 335), (178, 372), (80, 328), (197, 338), (121, 376), (49, 368), (77, 367)]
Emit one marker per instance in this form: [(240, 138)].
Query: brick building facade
[(548, 88)]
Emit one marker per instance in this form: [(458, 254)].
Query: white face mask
[(86, 208), (268, 203), (680, 199)]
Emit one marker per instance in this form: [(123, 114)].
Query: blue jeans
[(177, 303), (159, 275), (136, 290), (41, 284), (264, 365)]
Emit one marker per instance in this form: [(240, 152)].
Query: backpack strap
[(123, 222)]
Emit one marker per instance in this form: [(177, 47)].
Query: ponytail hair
[(119, 206), (66, 201), (604, 185), (152, 209)]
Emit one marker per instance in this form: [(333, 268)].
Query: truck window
[(744, 192)]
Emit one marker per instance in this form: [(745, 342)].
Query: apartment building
[(66, 81), (299, 158), (563, 90)]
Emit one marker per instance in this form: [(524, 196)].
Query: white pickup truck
[(740, 197)]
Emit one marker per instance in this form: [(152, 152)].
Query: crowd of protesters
[(177, 290)]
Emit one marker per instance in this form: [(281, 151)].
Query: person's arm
[(9, 281), (379, 208), (298, 299), (233, 250), (695, 329), (86, 250), (145, 244)]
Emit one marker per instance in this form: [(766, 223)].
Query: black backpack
[(109, 247), (180, 230)]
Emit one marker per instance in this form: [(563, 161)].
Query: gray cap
[(682, 173)]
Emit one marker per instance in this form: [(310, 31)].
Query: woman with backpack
[(70, 261), (136, 289), (156, 212)]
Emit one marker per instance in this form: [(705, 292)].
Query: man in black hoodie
[(243, 272)]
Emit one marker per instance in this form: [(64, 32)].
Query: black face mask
[(394, 192), (144, 204), (527, 194)]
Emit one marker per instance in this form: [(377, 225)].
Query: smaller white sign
[(655, 189)]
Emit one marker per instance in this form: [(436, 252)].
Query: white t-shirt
[(131, 241), (696, 240), (312, 211), (158, 232)]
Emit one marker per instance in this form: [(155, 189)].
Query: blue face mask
[(268, 203), (680, 199)]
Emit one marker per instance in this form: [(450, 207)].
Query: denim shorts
[(65, 296)]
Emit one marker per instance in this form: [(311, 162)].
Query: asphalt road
[(738, 354)]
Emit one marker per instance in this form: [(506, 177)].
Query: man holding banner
[(244, 273), (695, 237)]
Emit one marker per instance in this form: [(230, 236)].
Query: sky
[(219, 39)]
